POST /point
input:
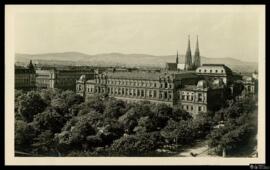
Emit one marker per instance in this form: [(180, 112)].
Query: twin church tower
[(188, 64)]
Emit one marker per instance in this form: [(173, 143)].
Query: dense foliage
[(52, 122)]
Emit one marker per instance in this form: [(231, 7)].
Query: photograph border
[(10, 159)]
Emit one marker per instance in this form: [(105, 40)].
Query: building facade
[(137, 86), (216, 71), (202, 97), (25, 77), (63, 79), (250, 86)]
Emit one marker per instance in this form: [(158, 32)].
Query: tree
[(135, 145), (240, 126), (50, 119), (94, 103), (145, 124), (179, 114), (109, 131), (24, 135), (203, 124), (114, 108), (29, 105), (80, 131), (44, 143), (59, 105), (238, 87), (161, 114), (178, 132), (48, 94)]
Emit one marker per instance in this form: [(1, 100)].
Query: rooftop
[(22, 70), (144, 75)]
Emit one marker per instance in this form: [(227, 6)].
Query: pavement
[(200, 149)]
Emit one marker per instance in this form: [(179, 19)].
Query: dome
[(82, 78), (202, 84)]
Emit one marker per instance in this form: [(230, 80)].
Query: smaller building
[(60, 78), (202, 97), (25, 77), (250, 86)]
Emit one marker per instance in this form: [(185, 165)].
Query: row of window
[(211, 71), (122, 91), (190, 97), (190, 108), (135, 83)]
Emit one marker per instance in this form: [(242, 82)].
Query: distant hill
[(128, 60)]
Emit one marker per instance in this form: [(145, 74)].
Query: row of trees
[(53, 122), (238, 129)]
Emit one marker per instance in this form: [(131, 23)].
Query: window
[(216, 71), (183, 97), (200, 97), (222, 71), (165, 95), (210, 71), (248, 88), (205, 71), (191, 108), (200, 70), (199, 108)]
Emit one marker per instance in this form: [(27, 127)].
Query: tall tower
[(197, 58), (188, 57), (177, 60)]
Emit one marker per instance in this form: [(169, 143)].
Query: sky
[(223, 31)]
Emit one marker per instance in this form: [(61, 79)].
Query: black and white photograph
[(139, 84)]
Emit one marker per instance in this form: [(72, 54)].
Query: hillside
[(129, 60)]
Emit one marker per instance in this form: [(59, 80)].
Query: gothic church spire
[(188, 57), (197, 58)]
